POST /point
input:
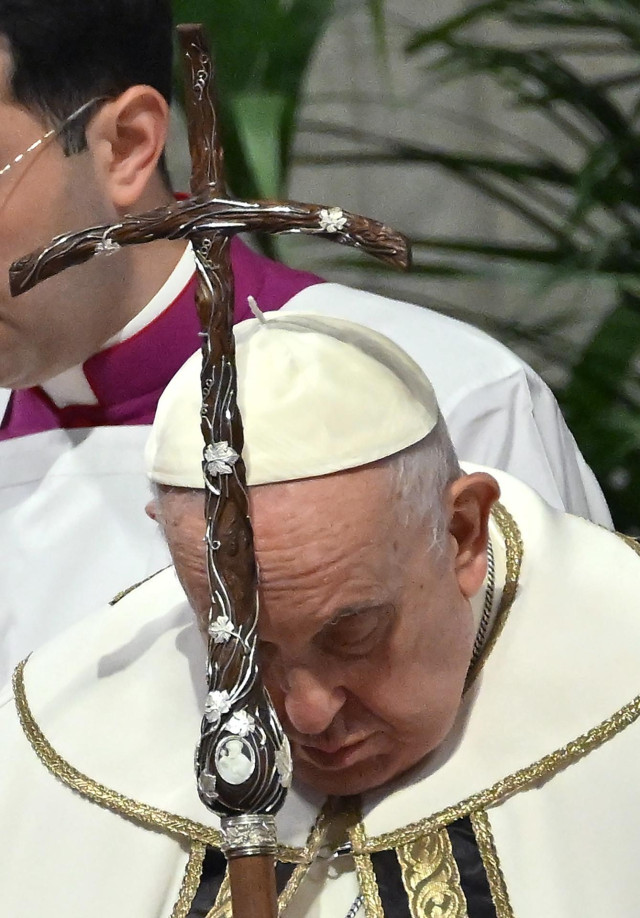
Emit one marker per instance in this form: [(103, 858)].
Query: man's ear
[(470, 499), (126, 139)]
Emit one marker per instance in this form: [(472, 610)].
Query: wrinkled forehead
[(324, 539), (330, 514), (353, 501)]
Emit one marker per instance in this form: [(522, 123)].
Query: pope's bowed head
[(370, 542)]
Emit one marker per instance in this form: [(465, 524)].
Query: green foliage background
[(580, 202)]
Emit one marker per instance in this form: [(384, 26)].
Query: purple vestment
[(129, 377)]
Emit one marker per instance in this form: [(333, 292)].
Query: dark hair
[(66, 52)]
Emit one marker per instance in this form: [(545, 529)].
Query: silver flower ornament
[(284, 765), (332, 220), (107, 246), (220, 458), (221, 630), (216, 704), (241, 724)]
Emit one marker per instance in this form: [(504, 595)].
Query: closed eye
[(355, 632)]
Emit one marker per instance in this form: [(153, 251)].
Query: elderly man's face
[(365, 634)]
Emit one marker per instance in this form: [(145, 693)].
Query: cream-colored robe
[(72, 502), (98, 809)]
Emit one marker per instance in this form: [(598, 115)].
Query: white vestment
[(73, 531), (98, 806)]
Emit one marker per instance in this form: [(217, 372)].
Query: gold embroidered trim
[(222, 907), (190, 882), (520, 780), (365, 873), (431, 877), (491, 861), (514, 552), (123, 593), (630, 541), (148, 816)]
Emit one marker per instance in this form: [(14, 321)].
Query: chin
[(349, 780)]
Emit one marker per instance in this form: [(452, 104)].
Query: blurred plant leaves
[(548, 59), (586, 209), (262, 50), (257, 118)]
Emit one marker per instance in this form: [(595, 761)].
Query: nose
[(311, 704)]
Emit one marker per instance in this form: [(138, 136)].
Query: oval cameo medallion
[(235, 760)]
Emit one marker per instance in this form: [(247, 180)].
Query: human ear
[(126, 139), (471, 498)]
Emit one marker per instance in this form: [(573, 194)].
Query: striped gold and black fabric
[(441, 873), (473, 876)]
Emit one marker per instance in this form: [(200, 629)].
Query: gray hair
[(420, 476)]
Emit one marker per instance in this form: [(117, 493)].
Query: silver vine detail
[(239, 763)]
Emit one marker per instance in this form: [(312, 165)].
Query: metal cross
[(243, 764)]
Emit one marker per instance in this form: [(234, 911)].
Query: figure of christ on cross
[(238, 710)]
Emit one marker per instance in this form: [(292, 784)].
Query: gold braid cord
[(365, 873), (190, 882), (223, 907), (491, 861), (147, 816)]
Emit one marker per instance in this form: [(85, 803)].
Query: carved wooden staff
[(243, 764)]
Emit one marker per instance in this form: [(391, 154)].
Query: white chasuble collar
[(557, 683), (118, 699)]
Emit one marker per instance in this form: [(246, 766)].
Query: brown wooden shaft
[(207, 155), (253, 887), (217, 217), (252, 879)]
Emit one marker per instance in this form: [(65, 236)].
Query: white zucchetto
[(317, 395)]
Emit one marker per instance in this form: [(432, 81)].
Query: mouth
[(332, 757)]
